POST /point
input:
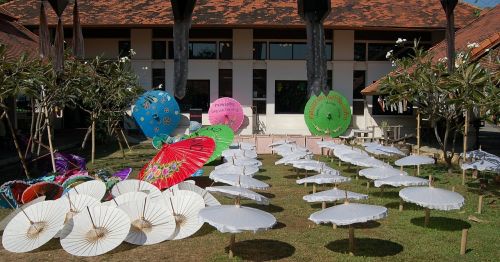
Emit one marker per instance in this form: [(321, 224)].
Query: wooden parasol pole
[(427, 217), (93, 139), (232, 239), (351, 240), (466, 130)]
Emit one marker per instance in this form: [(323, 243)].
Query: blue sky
[(484, 3)]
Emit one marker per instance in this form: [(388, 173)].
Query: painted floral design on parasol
[(156, 112), (176, 162), (226, 111), (327, 114)]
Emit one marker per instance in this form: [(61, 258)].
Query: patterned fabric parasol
[(328, 115), (226, 111), (176, 162)]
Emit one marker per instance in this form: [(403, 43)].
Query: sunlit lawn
[(401, 236)]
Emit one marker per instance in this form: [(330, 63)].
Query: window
[(377, 51), (329, 79), (123, 48), (225, 50), (329, 49), (259, 90), (197, 96), (158, 77), (159, 50), (202, 50), (299, 51), (225, 83), (281, 51), (359, 82), (170, 49), (259, 50), (359, 51), (291, 96), (381, 107)]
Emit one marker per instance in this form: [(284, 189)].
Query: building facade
[(262, 63)]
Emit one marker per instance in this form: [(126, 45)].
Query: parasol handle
[(346, 201), (91, 219), (430, 181), (70, 203), (172, 206), (144, 208)]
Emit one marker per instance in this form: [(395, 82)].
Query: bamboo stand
[(480, 205), (93, 141), (49, 137), (400, 205), (463, 242)]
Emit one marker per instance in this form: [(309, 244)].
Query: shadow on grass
[(279, 225), (386, 194), (406, 206), (202, 181), (294, 176), (367, 247), (204, 230), (268, 195), (124, 246), (366, 225), (441, 223), (261, 177), (263, 250), (269, 208)]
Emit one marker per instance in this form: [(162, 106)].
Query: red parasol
[(50, 190), (176, 162)]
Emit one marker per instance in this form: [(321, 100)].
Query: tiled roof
[(17, 38), (252, 13), (484, 31)]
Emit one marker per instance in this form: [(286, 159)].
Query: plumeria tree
[(442, 97), (106, 89)]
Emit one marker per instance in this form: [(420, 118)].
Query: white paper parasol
[(323, 178), (377, 151), (77, 203), (317, 166), (414, 160), (33, 227), (236, 219), (401, 180), (124, 198), (134, 185), (243, 170), (301, 161), (151, 222), (185, 205), (328, 144), (93, 188), (16, 211), (238, 153), (492, 165), (344, 150), (349, 213), (243, 145), (291, 157), (207, 197), (432, 198), (236, 191), (239, 180), (333, 195), (244, 161), (365, 161), (95, 231), (374, 173)]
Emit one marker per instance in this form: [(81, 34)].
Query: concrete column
[(140, 41), (243, 75)]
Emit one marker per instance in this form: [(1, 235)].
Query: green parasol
[(223, 136), (327, 115)]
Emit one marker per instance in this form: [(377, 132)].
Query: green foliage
[(442, 97)]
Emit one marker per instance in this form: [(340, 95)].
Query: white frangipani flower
[(389, 54), (400, 40), (472, 45)]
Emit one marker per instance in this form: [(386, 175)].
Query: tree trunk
[(49, 137), (89, 130), (316, 57), (16, 144), (447, 157)]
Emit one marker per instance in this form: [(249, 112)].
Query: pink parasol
[(226, 111)]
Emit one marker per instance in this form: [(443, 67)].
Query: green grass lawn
[(399, 237)]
